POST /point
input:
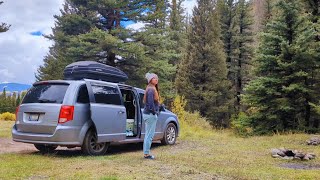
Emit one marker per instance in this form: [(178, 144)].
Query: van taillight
[(17, 110), (66, 114)]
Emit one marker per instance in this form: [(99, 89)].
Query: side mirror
[(162, 107)]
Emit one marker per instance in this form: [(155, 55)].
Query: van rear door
[(107, 110), (40, 108)]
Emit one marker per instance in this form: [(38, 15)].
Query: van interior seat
[(130, 108)]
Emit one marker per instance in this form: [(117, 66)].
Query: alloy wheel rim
[(171, 134), (94, 145)]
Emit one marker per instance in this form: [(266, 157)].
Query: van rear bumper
[(63, 135)]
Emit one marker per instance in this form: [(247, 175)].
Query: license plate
[(34, 117)]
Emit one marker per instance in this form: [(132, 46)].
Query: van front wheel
[(170, 135), (90, 145)]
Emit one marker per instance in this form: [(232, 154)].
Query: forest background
[(248, 65)]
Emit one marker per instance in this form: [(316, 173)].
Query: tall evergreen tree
[(91, 30), (227, 12), (287, 60), (176, 43), (70, 23), (313, 9), (4, 93), (18, 101), (202, 74), (13, 99), (160, 49), (176, 17), (3, 26), (3, 101), (236, 26), (8, 101), (243, 52), (177, 30)]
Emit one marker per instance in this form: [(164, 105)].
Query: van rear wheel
[(90, 145), (44, 148)]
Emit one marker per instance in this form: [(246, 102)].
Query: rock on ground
[(315, 140), (291, 154)]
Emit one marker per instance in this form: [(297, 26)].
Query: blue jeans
[(150, 128)]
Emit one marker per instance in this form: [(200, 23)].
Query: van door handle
[(121, 112)]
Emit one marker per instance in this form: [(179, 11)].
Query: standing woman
[(150, 112)]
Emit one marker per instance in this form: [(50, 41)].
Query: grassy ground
[(5, 128), (216, 155)]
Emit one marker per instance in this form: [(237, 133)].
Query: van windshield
[(46, 93)]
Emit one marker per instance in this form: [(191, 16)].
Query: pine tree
[(177, 30), (3, 26), (159, 47), (4, 93), (91, 31), (13, 99), (3, 101), (70, 23), (227, 13), (243, 52), (312, 7), (176, 18), (287, 59), (236, 27), (202, 74), (12, 102), (18, 101)]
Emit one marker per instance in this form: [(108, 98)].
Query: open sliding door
[(107, 110)]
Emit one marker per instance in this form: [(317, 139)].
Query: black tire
[(90, 145), (170, 135), (44, 148)]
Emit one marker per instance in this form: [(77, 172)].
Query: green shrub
[(241, 124), (7, 116), (192, 125)]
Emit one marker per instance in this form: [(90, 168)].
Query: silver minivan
[(86, 113)]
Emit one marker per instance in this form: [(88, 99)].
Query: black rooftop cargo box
[(93, 70)]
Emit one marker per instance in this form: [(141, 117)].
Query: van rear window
[(46, 93)]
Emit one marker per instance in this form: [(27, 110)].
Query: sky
[(23, 47)]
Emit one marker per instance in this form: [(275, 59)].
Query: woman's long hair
[(157, 88), (157, 91)]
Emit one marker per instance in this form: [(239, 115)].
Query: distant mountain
[(14, 87)]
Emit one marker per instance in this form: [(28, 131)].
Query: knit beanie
[(150, 76)]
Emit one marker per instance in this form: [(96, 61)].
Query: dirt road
[(9, 146)]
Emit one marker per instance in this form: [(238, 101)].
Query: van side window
[(106, 94), (83, 96), (141, 100)]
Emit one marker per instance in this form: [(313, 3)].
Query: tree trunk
[(117, 18)]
